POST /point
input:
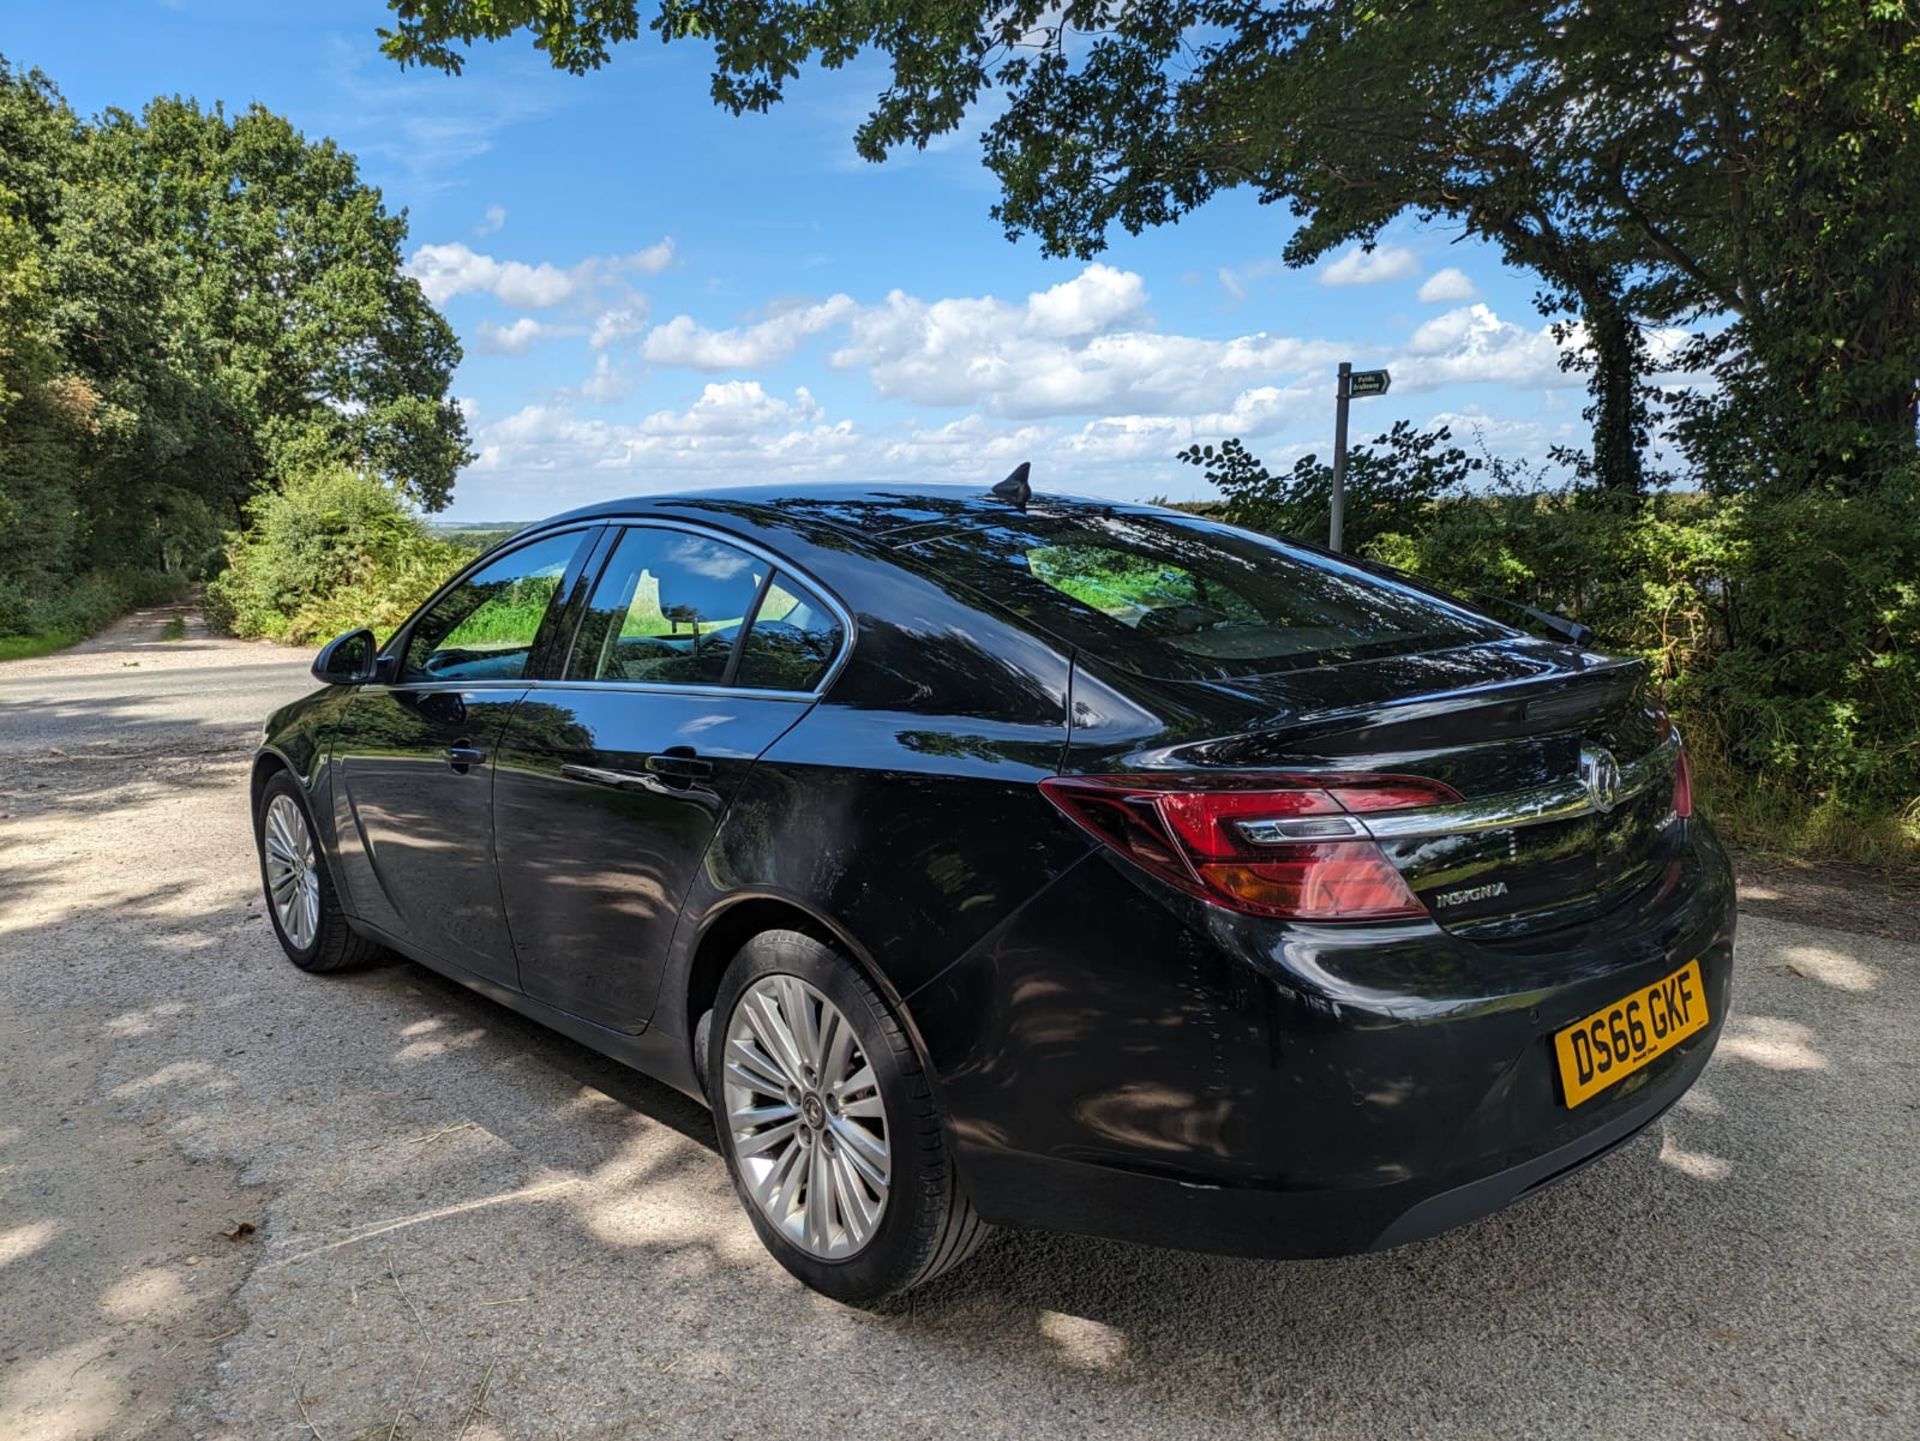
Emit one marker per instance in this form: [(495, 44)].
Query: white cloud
[(683, 341), (606, 386), (735, 408), (1448, 286), (445, 271), (1474, 344), (426, 133), (1086, 305), (517, 338), (496, 217), (1360, 266), (1078, 349), (621, 323), (734, 432), (654, 259), (1075, 377)]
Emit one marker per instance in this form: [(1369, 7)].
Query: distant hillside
[(475, 535)]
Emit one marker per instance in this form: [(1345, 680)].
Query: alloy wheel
[(805, 1118), (293, 877)]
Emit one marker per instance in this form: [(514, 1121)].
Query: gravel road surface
[(241, 1202)]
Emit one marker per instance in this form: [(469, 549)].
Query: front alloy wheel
[(306, 914), (292, 867)]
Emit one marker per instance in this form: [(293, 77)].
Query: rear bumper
[(1269, 1091), (1054, 1195)]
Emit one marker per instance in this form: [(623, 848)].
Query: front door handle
[(679, 763), (463, 757)]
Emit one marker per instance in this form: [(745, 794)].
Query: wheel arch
[(266, 763), (738, 919)]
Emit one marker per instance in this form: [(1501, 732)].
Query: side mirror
[(346, 659)]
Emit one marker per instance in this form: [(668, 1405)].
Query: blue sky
[(655, 295)]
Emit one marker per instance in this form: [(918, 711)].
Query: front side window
[(666, 610), (793, 640), (485, 627)]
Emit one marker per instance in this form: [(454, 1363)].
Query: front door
[(692, 657), (415, 758)]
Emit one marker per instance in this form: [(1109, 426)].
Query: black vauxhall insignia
[(987, 859)]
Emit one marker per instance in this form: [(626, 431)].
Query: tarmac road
[(464, 1226)]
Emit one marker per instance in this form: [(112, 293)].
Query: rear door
[(416, 757), (694, 653)]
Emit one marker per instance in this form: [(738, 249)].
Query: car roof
[(887, 515)]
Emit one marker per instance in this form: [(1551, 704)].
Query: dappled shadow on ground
[(1856, 899), (468, 1219)]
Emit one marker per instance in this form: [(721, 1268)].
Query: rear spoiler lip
[(1620, 675), (1449, 702)]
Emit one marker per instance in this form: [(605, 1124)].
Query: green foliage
[(193, 305), (333, 550), (1783, 625), (1388, 484), (33, 624)]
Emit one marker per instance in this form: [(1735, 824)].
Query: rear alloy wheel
[(829, 1124), (806, 1122), (301, 902)]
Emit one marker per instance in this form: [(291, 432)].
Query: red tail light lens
[(1266, 849), (1682, 768)]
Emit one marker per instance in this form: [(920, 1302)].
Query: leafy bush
[(1783, 625), (72, 611), (333, 550), (1387, 486)]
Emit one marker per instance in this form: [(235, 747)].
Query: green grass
[(1758, 818), (24, 647), (175, 629)]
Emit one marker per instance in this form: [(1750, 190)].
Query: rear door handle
[(461, 757), (680, 763), (619, 780)]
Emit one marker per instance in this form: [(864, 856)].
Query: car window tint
[(1177, 596), (484, 628), (792, 641), (666, 610)]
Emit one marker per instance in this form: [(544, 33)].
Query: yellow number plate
[(1617, 1040)]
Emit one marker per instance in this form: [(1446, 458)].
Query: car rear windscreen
[(1163, 594)]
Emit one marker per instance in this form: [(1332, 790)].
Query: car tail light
[(1263, 846), (1682, 767), (1682, 783)]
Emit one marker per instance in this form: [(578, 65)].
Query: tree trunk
[(1618, 412)]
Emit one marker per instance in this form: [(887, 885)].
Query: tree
[(193, 308), (1389, 485), (1746, 159)]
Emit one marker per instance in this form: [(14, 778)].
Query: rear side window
[(1180, 597), (793, 640), (666, 610)]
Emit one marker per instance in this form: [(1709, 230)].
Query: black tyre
[(829, 1124), (301, 902)]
